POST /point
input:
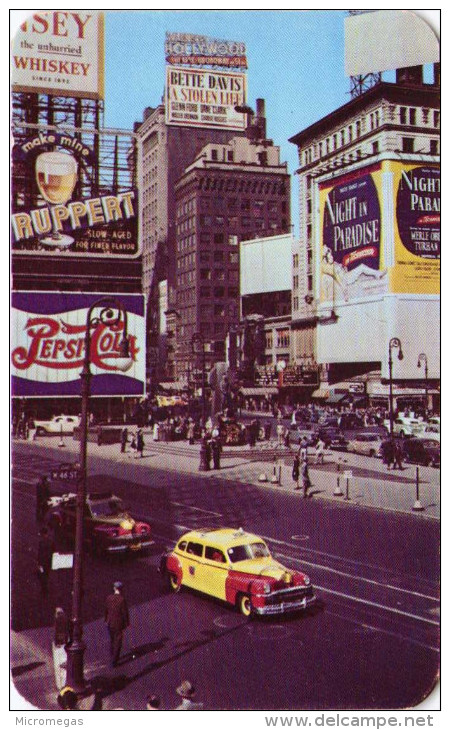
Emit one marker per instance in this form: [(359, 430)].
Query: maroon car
[(108, 527)]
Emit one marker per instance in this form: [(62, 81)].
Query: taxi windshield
[(248, 551)]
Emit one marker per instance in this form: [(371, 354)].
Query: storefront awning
[(259, 391), (321, 393)]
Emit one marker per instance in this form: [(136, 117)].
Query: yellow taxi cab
[(236, 567)]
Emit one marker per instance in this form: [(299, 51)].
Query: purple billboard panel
[(419, 211), (47, 345)]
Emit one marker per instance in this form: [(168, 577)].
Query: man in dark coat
[(117, 620), (123, 439), (44, 559)]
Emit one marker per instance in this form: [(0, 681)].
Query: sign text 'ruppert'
[(78, 214)]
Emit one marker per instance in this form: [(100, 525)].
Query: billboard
[(47, 345), (380, 232), (199, 50), (417, 235), (60, 53), (72, 197), (204, 98), (351, 261)]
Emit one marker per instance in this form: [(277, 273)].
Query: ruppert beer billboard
[(60, 52), (47, 346), (74, 202), (380, 232)]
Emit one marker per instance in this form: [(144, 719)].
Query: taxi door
[(192, 564), (214, 572)]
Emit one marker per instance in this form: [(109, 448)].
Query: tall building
[(368, 264), (229, 193), (166, 152)]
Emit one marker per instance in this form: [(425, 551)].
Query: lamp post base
[(75, 667)]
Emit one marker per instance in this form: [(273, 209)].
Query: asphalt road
[(371, 642)]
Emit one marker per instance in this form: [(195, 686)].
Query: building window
[(425, 115), (295, 282), (269, 340), (283, 338), (230, 155), (412, 116), (407, 144), (436, 118), (403, 115), (434, 147), (205, 291), (214, 155), (218, 238), (375, 148), (295, 260)]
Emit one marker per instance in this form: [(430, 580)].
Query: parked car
[(422, 451), (365, 443), (350, 421), (109, 528), (57, 425), (404, 426), (333, 438), (236, 567), (430, 431), (297, 434)]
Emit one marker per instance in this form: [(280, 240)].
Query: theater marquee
[(204, 98)]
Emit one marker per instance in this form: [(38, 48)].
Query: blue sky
[(295, 62)]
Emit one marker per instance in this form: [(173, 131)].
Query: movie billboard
[(352, 264), (60, 52), (48, 332), (74, 195), (199, 50), (417, 206), (205, 98)]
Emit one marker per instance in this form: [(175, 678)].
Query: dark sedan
[(422, 451)]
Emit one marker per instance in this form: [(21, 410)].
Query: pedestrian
[(287, 439), (156, 431), (303, 449), (320, 449), (187, 692), (398, 455), (117, 620), (208, 453), (152, 702), (31, 430), (280, 433), (123, 439), (296, 471), (216, 451), (267, 430), (305, 477), (190, 432), (389, 452), (42, 497), (140, 442), (46, 549)]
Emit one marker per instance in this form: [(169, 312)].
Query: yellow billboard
[(417, 240), (380, 232)]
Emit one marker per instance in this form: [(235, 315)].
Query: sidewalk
[(369, 482)]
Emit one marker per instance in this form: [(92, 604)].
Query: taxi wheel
[(245, 605), (174, 583)]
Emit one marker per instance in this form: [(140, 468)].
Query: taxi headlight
[(127, 524), (266, 588), (307, 580)]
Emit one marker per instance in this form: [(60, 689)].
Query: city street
[(370, 642)]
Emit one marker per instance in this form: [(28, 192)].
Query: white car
[(431, 431), (57, 425), (365, 443), (403, 426)]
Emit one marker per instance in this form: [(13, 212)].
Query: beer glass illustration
[(56, 175)]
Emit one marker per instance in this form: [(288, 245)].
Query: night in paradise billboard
[(48, 332), (380, 232), (60, 52)]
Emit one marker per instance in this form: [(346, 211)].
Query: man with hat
[(187, 692), (117, 620)]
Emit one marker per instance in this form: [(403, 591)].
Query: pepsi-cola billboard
[(48, 332)]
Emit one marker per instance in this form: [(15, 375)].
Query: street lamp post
[(110, 315), (423, 359), (394, 343)]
